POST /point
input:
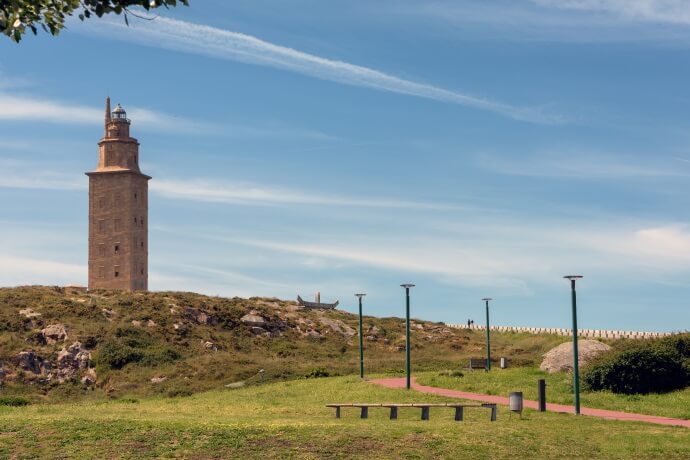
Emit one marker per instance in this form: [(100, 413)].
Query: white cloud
[(663, 11), (28, 108), (200, 39), (246, 193), (18, 270), (586, 21), (582, 165)]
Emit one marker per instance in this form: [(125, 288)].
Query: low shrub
[(643, 369), (116, 356), (317, 373), (14, 401)]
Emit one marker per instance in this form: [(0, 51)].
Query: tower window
[(135, 220), (101, 272), (118, 199), (117, 248), (118, 225), (135, 196), (142, 221), (117, 274), (101, 225), (142, 244), (101, 250)]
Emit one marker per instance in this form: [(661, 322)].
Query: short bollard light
[(541, 388), (504, 363), (515, 402)]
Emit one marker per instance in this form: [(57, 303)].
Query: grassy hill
[(177, 343)]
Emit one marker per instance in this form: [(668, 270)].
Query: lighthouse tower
[(118, 210)]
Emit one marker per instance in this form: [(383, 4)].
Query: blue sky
[(473, 148)]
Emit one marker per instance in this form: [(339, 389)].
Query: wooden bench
[(477, 363), (425, 408)]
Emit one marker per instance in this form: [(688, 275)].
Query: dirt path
[(608, 414)]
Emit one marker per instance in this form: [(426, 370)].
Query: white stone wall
[(586, 333)]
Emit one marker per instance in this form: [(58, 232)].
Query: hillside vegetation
[(57, 344)]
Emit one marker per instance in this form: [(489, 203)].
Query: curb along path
[(601, 413)]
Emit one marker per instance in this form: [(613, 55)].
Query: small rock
[(371, 338), (151, 323), (258, 330), (89, 377), (29, 313), (235, 385), (210, 346), (54, 333), (136, 323), (158, 379), (200, 316)]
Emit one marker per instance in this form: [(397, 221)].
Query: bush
[(117, 356), (643, 369), (13, 401), (317, 373)]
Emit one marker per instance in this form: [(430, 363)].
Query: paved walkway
[(608, 414)]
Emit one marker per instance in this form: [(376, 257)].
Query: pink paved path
[(608, 414)]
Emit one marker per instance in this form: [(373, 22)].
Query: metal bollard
[(542, 395)]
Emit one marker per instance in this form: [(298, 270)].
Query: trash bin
[(515, 401)]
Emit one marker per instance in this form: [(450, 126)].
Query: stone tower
[(118, 210)]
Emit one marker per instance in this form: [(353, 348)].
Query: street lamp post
[(361, 339), (576, 367), (488, 335), (407, 332)]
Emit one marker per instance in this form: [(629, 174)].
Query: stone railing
[(587, 333)]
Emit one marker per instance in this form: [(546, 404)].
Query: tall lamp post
[(576, 367), (488, 335), (361, 340), (407, 332)]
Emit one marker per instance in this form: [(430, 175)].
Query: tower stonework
[(118, 210)]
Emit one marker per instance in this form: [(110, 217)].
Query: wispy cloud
[(579, 165), (662, 11), (214, 191), (21, 174), (662, 21), (19, 270), (224, 44)]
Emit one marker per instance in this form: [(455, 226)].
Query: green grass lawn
[(559, 390), (289, 420)]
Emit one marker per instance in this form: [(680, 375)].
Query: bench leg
[(458, 414), (337, 412), (493, 411), (425, 413), (394, 413), (365, 412)]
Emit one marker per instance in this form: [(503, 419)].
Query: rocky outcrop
[(200, 316), (30, 361), (338, 326), (253, 319), (260, 325), (54, 333), (71, 361), (560, 358)]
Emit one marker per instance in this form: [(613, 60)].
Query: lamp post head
[(407, 286), (573, 277), (486, 299), (360, 295)]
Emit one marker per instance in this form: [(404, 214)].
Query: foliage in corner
[(642, 368), (16, 16)]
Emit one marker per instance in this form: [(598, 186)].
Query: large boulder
[(560, 358), (253, 319), (54, 333)]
